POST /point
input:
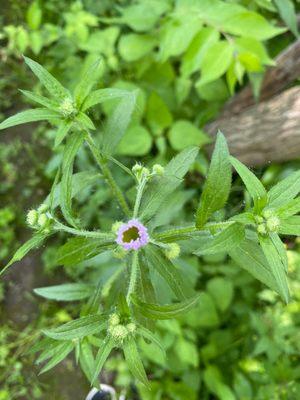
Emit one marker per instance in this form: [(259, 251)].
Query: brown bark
[(269, 131), (266, 132)]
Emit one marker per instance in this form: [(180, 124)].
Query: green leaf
[(87, 82), (80, 181), (23, 117), (216, 61), (44, 101), (50, 83), (276, 266), (224, 241), (84, 121), (158, 261), (281, 250), (66, 292), (156, 311), (103, 352), (289, 209), (137, 141), (132, 46), (158, 115), (78, 328), (118, 123), (148, 335), (34, 15), (60, 355), (221, 290), (183, 134), (102, 95), (252, 183), (134, 362), (73, 144), (192, 59), (161, 187), (218, 182), (249, 256), (79, 249), (290, 226), (285, 190), (86, 359), (32, 243), (62, 132), (287, 12)]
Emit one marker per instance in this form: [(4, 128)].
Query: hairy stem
[(107, 174), (58, 226), (140, 190), (133, 276)]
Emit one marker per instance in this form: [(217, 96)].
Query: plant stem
[(133, 277), (107, 174), (140, 190), (93, 234)]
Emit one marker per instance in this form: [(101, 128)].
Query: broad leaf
[(78, 328), (37, 114), (156, 311), (285, 190), (276, 266), (134, 362), (158, 261), (223, 241), (290, 226), (218, 182), (252, 183), (32, 243), (50, 83), (66, 292), (70, 151), (161, 187)]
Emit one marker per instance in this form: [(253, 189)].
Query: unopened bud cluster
[(142, 172), (268, 222), (118, 331), (40, 218), (68, 108), (172, 251)]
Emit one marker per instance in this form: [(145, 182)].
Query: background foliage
[(241, 342)]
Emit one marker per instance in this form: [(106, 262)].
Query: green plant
[(126, 308)]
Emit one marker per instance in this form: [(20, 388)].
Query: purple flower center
[(132, 235)]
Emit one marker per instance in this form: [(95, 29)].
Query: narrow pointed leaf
[(102, 355), (87, 82), (44, 101), (85, 121), (160, 188), (148, 335), (252, 183), (77, 328), (134, 361), (289, 209), (37, 114), (66, 292), (118, 123), (223, 241), (51, 84), (158, 261), (218, 183), (32, 243), (86, 360), (62, 132), (156, 311), (59, 356), (290, 226), (52, 349), (101, 95), (73, 144), (276, 266), (285, 190)]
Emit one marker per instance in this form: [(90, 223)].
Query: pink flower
[(132, 235)]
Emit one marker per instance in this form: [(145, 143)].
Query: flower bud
[(158, 169), (32, 217), (118, 332), (67, 107), (114, 320), (261, 229), (173, 251), (131, 327), (136, 169), (43, 220), (273, 224), (268, 213), (116, 226), (43, 208)]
